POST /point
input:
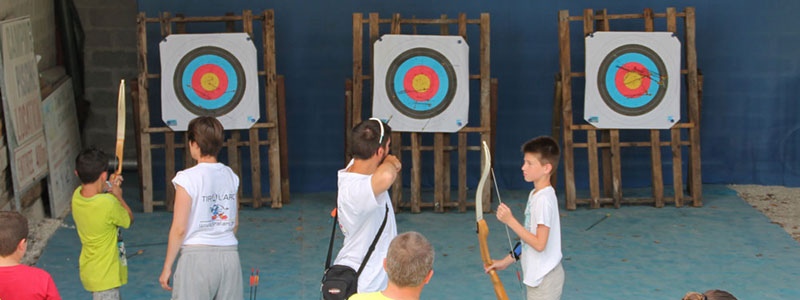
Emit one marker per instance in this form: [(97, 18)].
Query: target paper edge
[(174, 47), (454, 49), (664, 115)]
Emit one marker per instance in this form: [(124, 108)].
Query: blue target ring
[(190, 90), (187, 88), (653, 71), (400, 75), (611, 73), (442, 76)]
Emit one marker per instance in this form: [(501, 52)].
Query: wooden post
[(462, 172), (655, 138), (556, 123), (675, 133), (693, 108), (169, 136), (591, 135), (397, 145), (485, 97), (273, 137), (253, 145), (677, 176), (438, 172), (397, 186), (348, 118), (145, 159), (285, 199), (462, 137), (616, 169), (439, 156), (415, 173), (233, 142), (358, 37), (566, 103), (594, 182), (604, 25)]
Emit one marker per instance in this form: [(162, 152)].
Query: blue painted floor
[(639, 252)]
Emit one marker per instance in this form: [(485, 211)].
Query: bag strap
[(374, 242), (333, 234), (371, 247)]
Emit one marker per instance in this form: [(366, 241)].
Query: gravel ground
[(38, 234), (780, 204)]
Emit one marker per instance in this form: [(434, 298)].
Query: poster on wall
[(22, 99), (63, 145)]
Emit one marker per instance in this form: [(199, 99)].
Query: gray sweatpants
[(110, 294), (208, 273), (551, 286)]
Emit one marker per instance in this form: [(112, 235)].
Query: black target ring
[(625, 53), (232, 71), (446, 80)]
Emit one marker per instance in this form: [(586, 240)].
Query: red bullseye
[(632, 80), (209, 81), (421, 83)]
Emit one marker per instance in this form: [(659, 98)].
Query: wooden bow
[(120, 129), (483, 229)]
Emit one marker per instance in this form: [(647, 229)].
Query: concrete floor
[(640, 251)]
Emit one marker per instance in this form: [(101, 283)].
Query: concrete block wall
[(43, 21), (109, 55)]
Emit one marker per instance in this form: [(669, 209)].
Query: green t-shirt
[(369, 296), (102, 263)]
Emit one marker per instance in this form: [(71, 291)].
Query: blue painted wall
[(747, 50)]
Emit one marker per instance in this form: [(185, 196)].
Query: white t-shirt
[(542, 208), (360, 216), (212, 187)]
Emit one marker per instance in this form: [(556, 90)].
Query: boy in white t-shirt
[(362, 200), (204, 222), (541, 233)]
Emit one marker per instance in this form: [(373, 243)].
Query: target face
[(632, 80), (421, 82), (209, 81), (209, 75), (628, 80)]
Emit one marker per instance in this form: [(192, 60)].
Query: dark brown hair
[(13, 228), (208, 133), (545, 148), (90, 163), (365, 136)]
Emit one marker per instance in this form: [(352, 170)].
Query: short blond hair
[(409, 260)]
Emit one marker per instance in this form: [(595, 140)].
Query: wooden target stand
[(442, 147), (610, 144), (274, 105)]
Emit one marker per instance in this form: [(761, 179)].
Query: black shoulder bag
[(340, 281)]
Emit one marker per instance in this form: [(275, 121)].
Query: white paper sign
[(63, 145)]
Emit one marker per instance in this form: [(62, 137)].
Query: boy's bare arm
[(386, 174), (116, 190), (536, 240)]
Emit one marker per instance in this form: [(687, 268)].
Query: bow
[(483, 229), (120, 128)]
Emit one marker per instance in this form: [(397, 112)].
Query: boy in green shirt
[(98, 214)]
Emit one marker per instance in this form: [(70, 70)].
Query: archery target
[(421, 82), (209, 75), (629, 80)]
